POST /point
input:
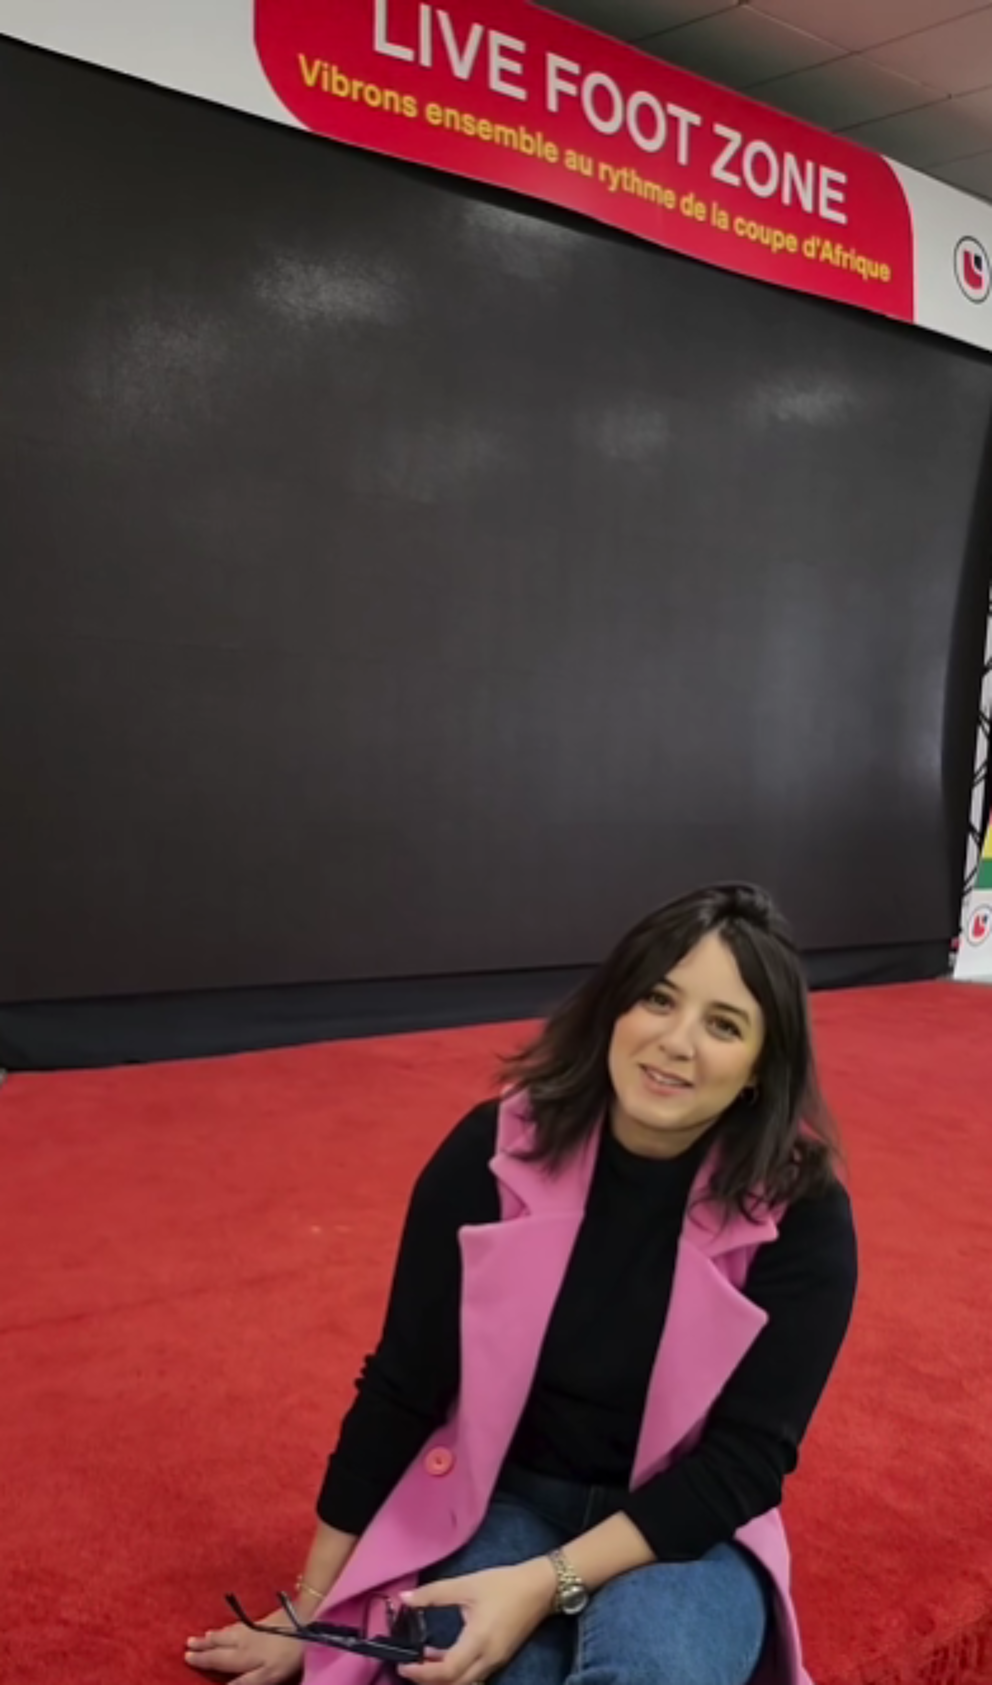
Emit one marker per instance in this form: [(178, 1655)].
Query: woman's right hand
[(252, 1658)]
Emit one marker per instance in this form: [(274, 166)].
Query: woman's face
[(681, 1057)]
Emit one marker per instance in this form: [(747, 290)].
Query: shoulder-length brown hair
[(777, 1146)]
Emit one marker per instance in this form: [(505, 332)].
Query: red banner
[(504, 92)]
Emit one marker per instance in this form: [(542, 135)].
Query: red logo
[(980, 926), (972, 268)]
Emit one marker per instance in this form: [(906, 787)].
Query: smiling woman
[(682, 1057), (620, 1293), (698, 1018)]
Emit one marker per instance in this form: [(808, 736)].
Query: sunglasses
[(404, 1641)]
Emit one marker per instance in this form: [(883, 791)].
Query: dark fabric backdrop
[(399, 580)]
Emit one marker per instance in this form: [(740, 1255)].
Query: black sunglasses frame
[(403, 1645)]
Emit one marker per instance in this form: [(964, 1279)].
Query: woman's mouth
[(664, 1083)]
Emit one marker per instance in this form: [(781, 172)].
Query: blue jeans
[(685, 1623)]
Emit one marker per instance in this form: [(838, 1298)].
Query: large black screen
[(399, 579)]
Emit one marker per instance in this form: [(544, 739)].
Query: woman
[(619, 1296)]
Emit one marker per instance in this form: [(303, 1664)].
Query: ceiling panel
[(630, 19), (849, 91), (741, 47), (974, 175), (935, 134), (864, 23), (955, 56)]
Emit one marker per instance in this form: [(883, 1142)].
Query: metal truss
[(978, 818)]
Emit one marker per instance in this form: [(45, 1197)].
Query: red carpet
[(197, 1256)]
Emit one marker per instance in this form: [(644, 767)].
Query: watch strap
[(572, 1595)]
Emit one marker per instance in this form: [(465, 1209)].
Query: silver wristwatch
[(571, 1597)]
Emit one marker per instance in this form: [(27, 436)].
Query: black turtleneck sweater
[(583, 1416)]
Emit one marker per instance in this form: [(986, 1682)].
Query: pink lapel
[(513, 1271), (709, 1328), (511, 1275)]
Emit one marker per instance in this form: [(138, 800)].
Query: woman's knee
[(662, 1662), (687, 1624), (662, 1666)]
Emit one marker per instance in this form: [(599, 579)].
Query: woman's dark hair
[(777, 1145)]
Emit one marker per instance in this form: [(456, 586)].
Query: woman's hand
[(252, 1658), (501, 1607)]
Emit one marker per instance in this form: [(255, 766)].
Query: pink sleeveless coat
[(512, 1273)]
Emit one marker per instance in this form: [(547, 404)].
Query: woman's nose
[(677, 1038)]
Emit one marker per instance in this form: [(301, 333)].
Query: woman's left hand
[(501, 1607)]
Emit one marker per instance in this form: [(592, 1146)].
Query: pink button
[(440, 1460)]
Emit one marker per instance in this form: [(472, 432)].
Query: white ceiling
[(911, 78)]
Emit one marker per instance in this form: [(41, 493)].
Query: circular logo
[(980, 926), (972, 268)]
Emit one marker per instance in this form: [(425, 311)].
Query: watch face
[(573, 1600)]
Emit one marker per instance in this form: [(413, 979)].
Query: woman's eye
[(727, 1027), (659, 999)]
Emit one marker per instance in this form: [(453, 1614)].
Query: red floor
[(197, 1260)]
